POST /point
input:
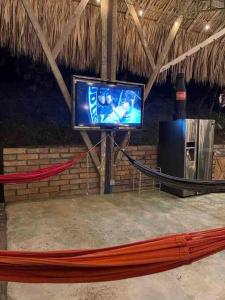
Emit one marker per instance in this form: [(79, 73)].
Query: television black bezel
[(75, 126)]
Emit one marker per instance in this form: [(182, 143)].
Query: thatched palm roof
[(83, 47)]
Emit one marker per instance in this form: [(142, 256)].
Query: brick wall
[(79, 180)]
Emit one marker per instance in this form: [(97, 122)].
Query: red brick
[(89, 185), (8, 187), (16, 198), (66, 155), (38, 162), (39, 196), (37, 150), (9, 193), (49, 189), (131, 148), (53, 178), (83, 180), (71, 193), (9, 169), (59, 150), (27, 191), (59, 182), (27, 156), (77, 149), (14, 150), (10, 157), (138, 153), (52, 155), (37, 184), (122, 173), (88, 175), (147, 148), (70, 176), (15, 163), (85, 165), (26, 168), (69, 187)]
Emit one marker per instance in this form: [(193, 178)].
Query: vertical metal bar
[(110, 167), (103, 159)]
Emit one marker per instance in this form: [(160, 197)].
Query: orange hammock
[(114, 263)]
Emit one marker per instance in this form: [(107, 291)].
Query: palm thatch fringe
[(83, 48)]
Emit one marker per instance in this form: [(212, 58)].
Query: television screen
[(107, 104)]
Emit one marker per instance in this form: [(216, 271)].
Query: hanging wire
[(133, 180), (89, 150), (87, 185), (139, 183)]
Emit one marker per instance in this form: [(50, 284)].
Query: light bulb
[(207, 27), (140, 12)]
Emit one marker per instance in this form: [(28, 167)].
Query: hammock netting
[(113, 263)]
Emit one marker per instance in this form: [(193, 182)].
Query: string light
[(207, 27), (140, 13)]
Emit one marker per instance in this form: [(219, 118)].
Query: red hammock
[(132, 260), (39, 174)]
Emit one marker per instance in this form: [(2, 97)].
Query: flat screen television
[(99, 104)]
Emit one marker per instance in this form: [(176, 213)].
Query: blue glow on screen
[(101, 104)]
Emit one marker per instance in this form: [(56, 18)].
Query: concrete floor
[(94, 221)]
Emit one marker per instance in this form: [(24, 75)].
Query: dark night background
[(33, 111)]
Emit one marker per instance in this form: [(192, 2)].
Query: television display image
[(103, 104)]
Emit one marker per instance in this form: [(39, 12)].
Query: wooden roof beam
[(140, 31), (56, 72), (67, 30), (193, 50), (162, 56)]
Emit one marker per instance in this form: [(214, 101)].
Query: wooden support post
[(55, 70), (108, 72), (166, 48)]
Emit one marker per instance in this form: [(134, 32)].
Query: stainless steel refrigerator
[(186, 151)]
